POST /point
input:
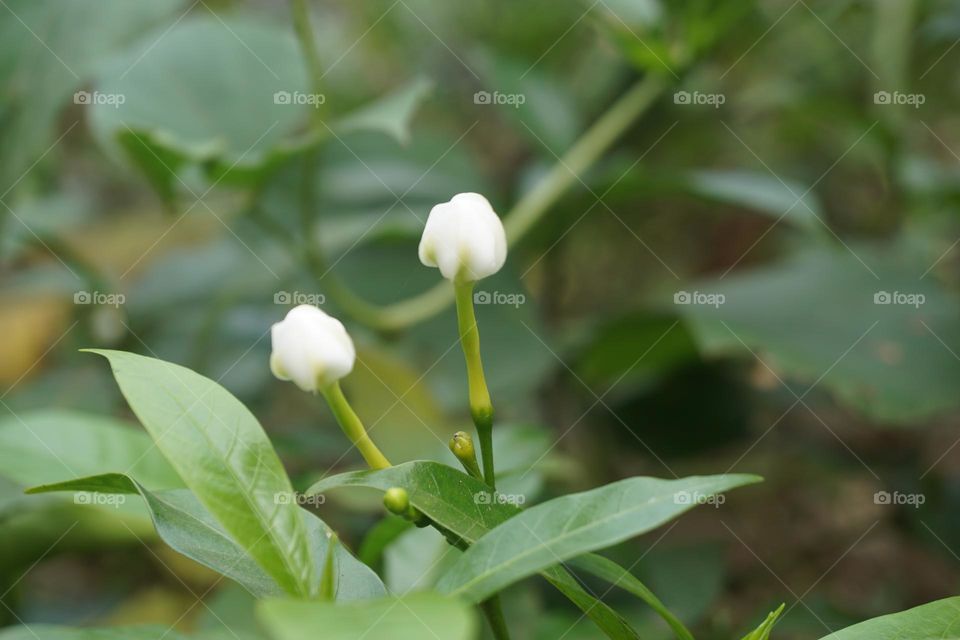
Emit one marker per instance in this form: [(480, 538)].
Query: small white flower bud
[(464, 238), (311, 348)]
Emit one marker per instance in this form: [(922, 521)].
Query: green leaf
[(204, 93), (37, 78), (44, 446), (607, 620), (56, 632), (381, 536), (574, 524), (423, 615), (815, 315), (932, 621), (763, 631), (187, 527), (225, 458), (762, 192), (619, 577), (391, 114), (447, 496)]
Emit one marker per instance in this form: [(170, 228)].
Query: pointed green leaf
[(414, 617), (449, 498), (617, 576), (223, 455), (391, 114), (184, 524), (762, 632), (575, 524), (939, 620)]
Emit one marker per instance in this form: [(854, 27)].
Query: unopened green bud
[(397, 501), (461, 445)]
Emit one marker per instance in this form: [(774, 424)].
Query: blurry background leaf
[(48, 51), (390, 115), (785, 200), (204, 92), (892, 361), (49, 446)]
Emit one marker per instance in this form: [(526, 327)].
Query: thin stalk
[(308, 46), (493, 612), (522, 217), (491, 607), (353, 427), (481, 409)]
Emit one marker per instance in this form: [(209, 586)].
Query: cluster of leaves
[(238, 515)]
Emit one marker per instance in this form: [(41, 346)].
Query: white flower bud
[(311, 348), (464, 238)]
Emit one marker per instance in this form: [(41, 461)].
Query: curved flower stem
[(524, 215), (481, 409), (353, 427)]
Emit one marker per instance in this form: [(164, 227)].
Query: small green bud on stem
[(397, 502), (461, 445)]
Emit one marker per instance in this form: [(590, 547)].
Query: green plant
[(240, 516)]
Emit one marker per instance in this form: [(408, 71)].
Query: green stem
[(353, 427), (308, 46), (491, 608), (481, 409), (521, 218), (493, 612)]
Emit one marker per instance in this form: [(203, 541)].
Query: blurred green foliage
[(799, 198)]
